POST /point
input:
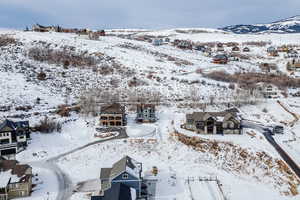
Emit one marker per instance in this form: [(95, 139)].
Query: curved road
[(268, 135), (65, 185)]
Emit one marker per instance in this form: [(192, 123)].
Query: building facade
[(227, 122), (15, 181), (145, 113), (117, 182), (113, 115), (14, 137)]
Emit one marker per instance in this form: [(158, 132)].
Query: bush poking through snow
[(248, 80), (6, 40), (48, 125), (61, 57), (41, 76)]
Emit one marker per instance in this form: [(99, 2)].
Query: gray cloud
[(143, 13)]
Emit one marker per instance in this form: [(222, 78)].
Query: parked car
[(278, 129)]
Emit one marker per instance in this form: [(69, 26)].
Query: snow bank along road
[(267, 133), (65, 185)]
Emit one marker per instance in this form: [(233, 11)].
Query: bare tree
[(195, 95)]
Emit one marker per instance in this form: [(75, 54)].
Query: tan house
[(226, 122), (113, 115), (15, 180), (294, 65)]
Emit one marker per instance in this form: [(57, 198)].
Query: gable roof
[(105, 173), (125, 164), (114, 108), (13, 165), (16, 171), (220, 57), (218, 116), (7, 124)]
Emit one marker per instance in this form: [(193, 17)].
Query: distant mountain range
[(289, 25)]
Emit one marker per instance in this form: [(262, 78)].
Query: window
[(118, 123), (103, 118), (111, 118), (200, 125), (5, 141), (125, 176), (111, 123)]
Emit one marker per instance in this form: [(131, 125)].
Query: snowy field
[(175, 161)]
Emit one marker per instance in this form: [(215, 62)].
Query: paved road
[(65, 185), (267, 133)]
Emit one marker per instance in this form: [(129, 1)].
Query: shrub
[(65, 57), (248, 80), (47, 125), (41, 76), (6, 40), (63, 111)]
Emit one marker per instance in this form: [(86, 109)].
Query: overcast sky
[(156, 14)]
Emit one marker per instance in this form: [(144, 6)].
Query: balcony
[(8, 146)]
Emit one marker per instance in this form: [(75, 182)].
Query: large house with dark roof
[(121, 182), (15, 180), (13, 137), (226, 122), (113, 115)]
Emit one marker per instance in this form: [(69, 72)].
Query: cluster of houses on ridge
[(115, 115), (226, 122), (93, 35)]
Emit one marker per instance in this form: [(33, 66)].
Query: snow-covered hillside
[(289, 25), (119, 66)]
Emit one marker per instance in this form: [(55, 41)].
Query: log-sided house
[(120, 181), (226, 122), (13, 137), (113, 115), (145, 113), (15, 180)]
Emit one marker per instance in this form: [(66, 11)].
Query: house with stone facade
[(226, 122)]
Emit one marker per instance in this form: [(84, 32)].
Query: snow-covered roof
[(126, 164), (6, 177)]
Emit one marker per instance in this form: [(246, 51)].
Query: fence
[(206, 179)]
